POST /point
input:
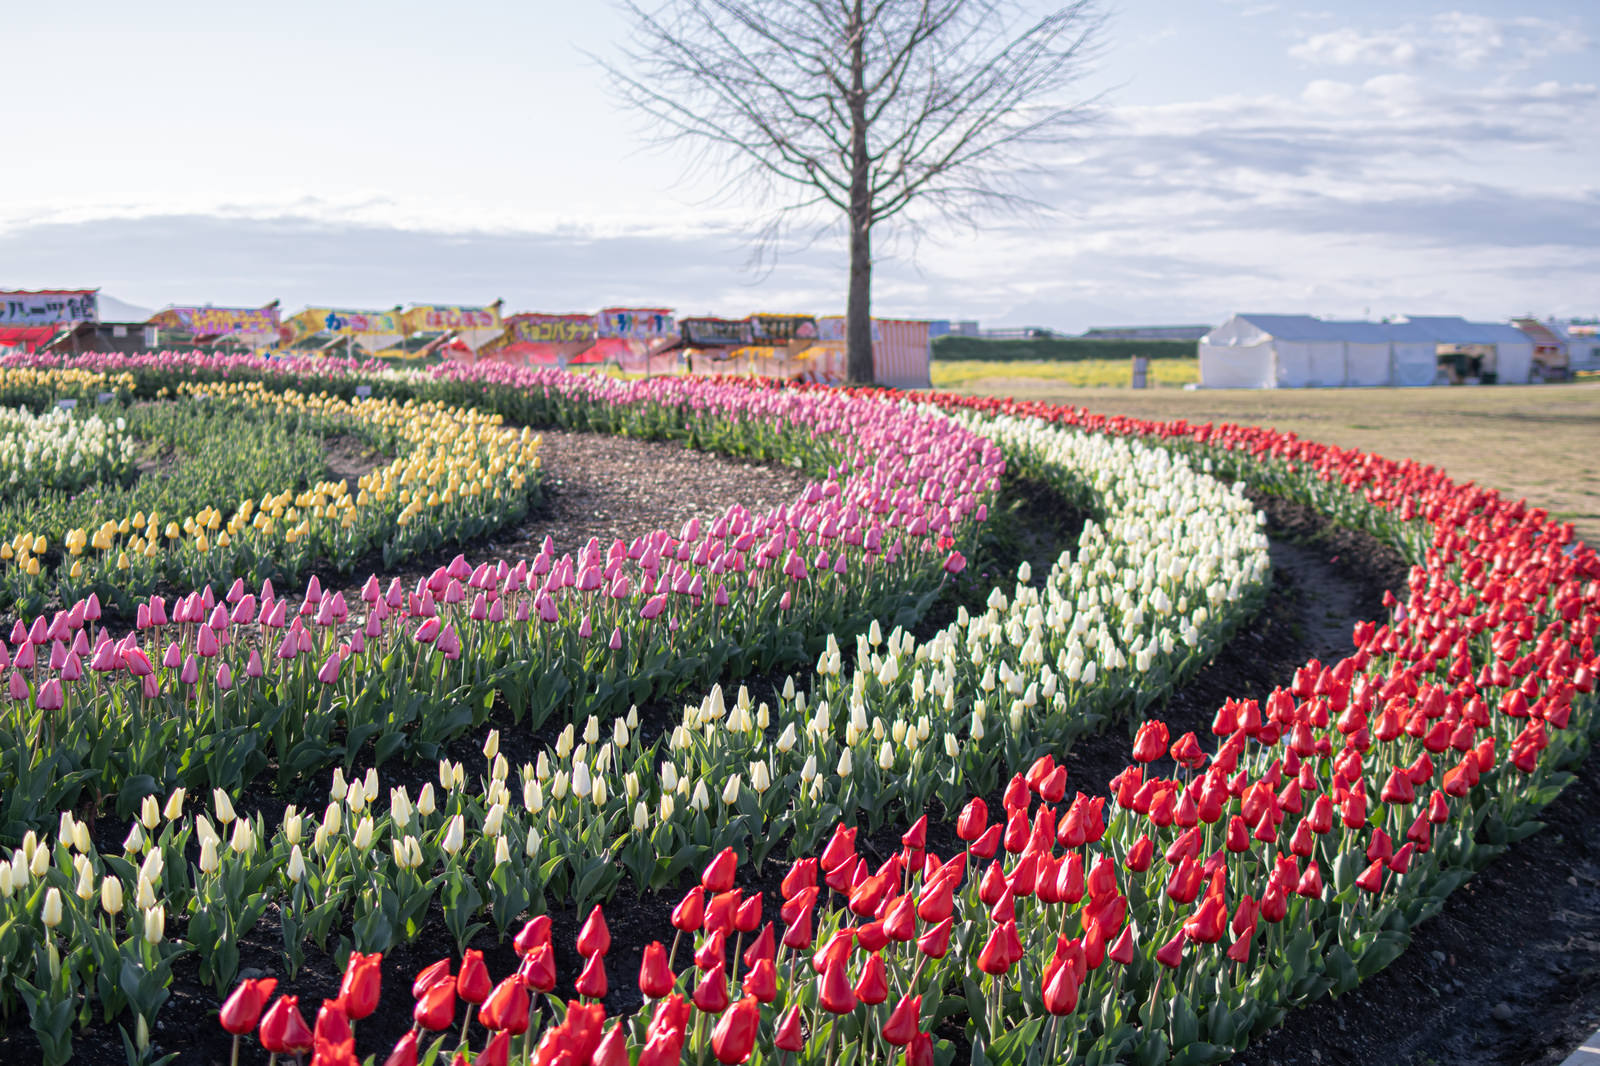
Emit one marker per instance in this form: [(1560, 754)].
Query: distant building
[(1582, 339), (1251, 351), (1146, 333)]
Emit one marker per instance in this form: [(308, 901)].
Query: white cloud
[(1454, 38)]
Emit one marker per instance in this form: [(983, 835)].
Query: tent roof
[(1297, 327), (1436, 329), (1453, 329)]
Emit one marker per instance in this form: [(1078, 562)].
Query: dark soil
[(1508, 973)]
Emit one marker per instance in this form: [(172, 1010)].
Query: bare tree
[(889, 111)]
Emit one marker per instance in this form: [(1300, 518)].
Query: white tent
[(1252, 351), (1270, 352), (1513, 349)]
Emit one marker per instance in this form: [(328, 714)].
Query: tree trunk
[(858, 309)]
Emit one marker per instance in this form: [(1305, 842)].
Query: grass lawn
[(1537, 441)]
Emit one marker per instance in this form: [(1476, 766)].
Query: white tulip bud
[(491, 745), (425, 805), (730, 791), (455, 835), (111, 896), (363, 837), (155, 924), (223, 805), (50, 913), (150, 812)]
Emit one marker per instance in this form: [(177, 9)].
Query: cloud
[(1453, 38)]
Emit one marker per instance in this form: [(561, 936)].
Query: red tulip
[(872, 987), (762, 980), (937, 901), (719, 872), (506, 1008), (436, 1009), (242, 1009), (1150, 743), (361, 985), (801, 876), (834, 991), (655, 979), (973, 820), (711, 994), (713, 951), (902, 1024), (430, 976), (747, 916), (735, 1034), (1061, 991), (284, 1030), (995, 959), (764, 946), (473, 983), (333, 1024), (789, 1035), (935, 943), (987, 843), (538, 970), (534, 933), (690, 913), (594, 938), (841, 848), (920, 1051), (1171, 953), (1122, 951), (592, 981)]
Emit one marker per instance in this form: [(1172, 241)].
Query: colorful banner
[(428, 318), (637, 323), (338, 322), (550, 329), (218, 321), (48, 307)]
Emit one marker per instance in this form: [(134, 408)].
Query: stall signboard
[(48, 307), (550, 329), (714, 332), (636, 323), (439, 318), (218, 321), (782, 329)]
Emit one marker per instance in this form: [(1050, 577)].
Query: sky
[(1347, 158)]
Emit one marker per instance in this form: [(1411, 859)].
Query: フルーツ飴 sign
[(48, 307)]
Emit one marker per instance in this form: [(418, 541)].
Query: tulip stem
[(234, 1058)]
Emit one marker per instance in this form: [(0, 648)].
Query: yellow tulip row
[(447, 455)]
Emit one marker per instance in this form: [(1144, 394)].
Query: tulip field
[(218, 725)]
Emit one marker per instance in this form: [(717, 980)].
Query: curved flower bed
[(1222, 881)]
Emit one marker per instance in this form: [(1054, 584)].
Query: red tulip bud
[(594, 938), (284, 1029), (473, 983), (903, 1022)]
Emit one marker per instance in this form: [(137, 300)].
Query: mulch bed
[(1508, 973)]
